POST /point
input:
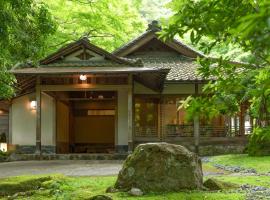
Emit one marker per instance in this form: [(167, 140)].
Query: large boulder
[(159, 167)]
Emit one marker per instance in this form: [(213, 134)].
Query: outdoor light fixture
[(3, 147), (83, 77), (33, 105)]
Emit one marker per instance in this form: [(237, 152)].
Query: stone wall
[(215, 149), (30, 149)]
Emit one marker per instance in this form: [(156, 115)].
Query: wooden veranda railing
[(146, 131), (176, 131), (205, 131)]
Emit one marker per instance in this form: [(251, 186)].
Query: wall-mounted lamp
[(33, 105), (3, 147), (83, 77)]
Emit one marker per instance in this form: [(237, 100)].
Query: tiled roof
[(83, 63), (181, 67)]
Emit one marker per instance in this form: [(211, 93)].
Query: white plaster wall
[(178, 88), (122, 118), (47, 120), (24, 121)]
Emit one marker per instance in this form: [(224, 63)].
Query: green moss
[(215, 184), (261, 164), (11, 186), (61, 187), (251, 180)]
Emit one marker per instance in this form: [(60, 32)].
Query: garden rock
[(135, 192), (214, 184), (159, 167), (100, 197), (111, 190)]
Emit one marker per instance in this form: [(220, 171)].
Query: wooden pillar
[(38, 117), (130, 118), (9, 138), (196, 125), (159, 132), (196, 133)]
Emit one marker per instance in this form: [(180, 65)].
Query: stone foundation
[(121, 148), (211, 150), (30, 149), (25, 157), (217, 149)]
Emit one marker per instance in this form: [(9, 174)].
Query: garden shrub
[(3, 156), (259, 142), (3, 137)]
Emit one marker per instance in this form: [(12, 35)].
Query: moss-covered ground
[(62, 187)]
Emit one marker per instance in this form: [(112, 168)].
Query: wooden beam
[(38, 117), (84, 87)]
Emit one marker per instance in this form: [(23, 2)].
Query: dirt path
[(65, 167), (74, 168)]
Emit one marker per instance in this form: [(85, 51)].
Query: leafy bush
[(259, 142), (3, 156), (3, 137)]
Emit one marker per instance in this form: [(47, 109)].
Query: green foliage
[(3, 137), (244, 24), (200, 107), (3, 156), (259, 142), (31, 29), (24, 27), (153, 10), (107, 23)]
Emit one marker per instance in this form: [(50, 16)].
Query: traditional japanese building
[(83, 99)]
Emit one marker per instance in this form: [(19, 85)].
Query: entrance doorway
[(86, 122)]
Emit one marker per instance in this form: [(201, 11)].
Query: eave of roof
[(85, 44), (80, 70)]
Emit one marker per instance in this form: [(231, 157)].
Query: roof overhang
[(151, 78), (80, 70)]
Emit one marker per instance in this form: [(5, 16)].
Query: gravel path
[(65, 167)]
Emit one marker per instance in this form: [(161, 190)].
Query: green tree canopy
[(24, 27), (31, 29), (243, 23), (107, 23)]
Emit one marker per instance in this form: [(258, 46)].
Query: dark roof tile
[(181, 68)]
